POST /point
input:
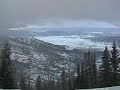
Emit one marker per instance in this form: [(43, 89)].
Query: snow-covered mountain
[(35, 56), (43, 58)]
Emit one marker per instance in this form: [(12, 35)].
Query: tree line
[(88, 73)]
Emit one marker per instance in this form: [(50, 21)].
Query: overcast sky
[(20, 12)]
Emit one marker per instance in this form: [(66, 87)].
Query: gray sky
[(20, 12)]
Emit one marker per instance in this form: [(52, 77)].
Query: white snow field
[(107, 88)]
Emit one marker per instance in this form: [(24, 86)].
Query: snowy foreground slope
[(36, 57), (107, 88)]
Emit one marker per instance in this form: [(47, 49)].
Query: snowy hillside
[(43, 58), (38, 57)]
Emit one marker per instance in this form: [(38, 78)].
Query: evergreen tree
[(29, 86), (86, 78), (8, 72), (63, 80), (78, 77), (23, 83), (58, 85), (38, 83), (115, 63), (94, 72), (49, 84), (52, 85), (0, 77), (74, 82), (86, 70), (45, 86), (82, 77), (105, 67), (89, 72), (70, 84)]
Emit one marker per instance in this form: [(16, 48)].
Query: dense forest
[(87, 75)]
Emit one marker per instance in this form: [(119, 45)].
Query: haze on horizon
[(21, 12)]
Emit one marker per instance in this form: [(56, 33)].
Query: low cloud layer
[(68, 24)]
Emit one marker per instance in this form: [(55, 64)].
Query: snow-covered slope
[(38, 57)]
